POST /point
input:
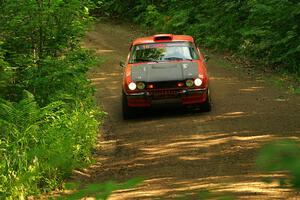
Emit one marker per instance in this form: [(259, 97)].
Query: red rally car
[(165, 68)]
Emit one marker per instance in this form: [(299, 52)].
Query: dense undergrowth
[(48, 119), (267, 32)]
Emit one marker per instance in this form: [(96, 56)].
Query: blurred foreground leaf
[(100, 190), (282, 156)]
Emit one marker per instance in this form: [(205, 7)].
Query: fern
[(39, 146)]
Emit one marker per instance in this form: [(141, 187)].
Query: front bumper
[(182, 96)]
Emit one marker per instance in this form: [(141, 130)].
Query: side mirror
[(122, 64), (206, 58)]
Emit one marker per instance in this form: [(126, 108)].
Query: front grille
[(158, 94), (166, 84)]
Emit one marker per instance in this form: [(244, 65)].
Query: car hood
[(164, 71)]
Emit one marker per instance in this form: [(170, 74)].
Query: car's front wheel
[(206, 106)]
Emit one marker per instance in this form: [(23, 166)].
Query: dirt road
[(181, 152)]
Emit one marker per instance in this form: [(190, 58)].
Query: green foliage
[(5, 72), (282, 156), (265, 31), (61, 78), (44, 27), (209, 195), (34, 31), (48, 119), (297, 90), (272, 29), (39, 146), (99, 191)]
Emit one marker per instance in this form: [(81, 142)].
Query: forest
[(266, 32), (49, 121)]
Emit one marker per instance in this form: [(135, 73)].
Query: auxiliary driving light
[(180, 84), (189, 83), (198, 82), (150, 86), (141, 85), (132, 86)]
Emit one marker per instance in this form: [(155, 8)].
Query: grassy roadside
[(49, 121), (283, 80)]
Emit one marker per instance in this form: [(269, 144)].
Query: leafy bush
[(35, 32), (48, 118), (39, 146), (5, 72), (282, 156), (61, 78)]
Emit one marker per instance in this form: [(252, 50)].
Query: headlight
[(141, 85), (132, 86), (189, 83), (198, 82)]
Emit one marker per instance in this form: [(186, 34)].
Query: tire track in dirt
[(180, 152)]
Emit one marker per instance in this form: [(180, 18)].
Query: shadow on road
[(180, 151)]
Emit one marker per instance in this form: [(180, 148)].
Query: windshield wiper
[(177, 58), (173, 58), (188, 59), (145, 60)]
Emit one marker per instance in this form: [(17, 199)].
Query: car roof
[(163, 38)]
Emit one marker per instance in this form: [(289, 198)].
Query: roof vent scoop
[(163, 37)]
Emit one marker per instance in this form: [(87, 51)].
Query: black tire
[(126, 110), (206, 106)]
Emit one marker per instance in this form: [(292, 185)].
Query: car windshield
[(156, 52)]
